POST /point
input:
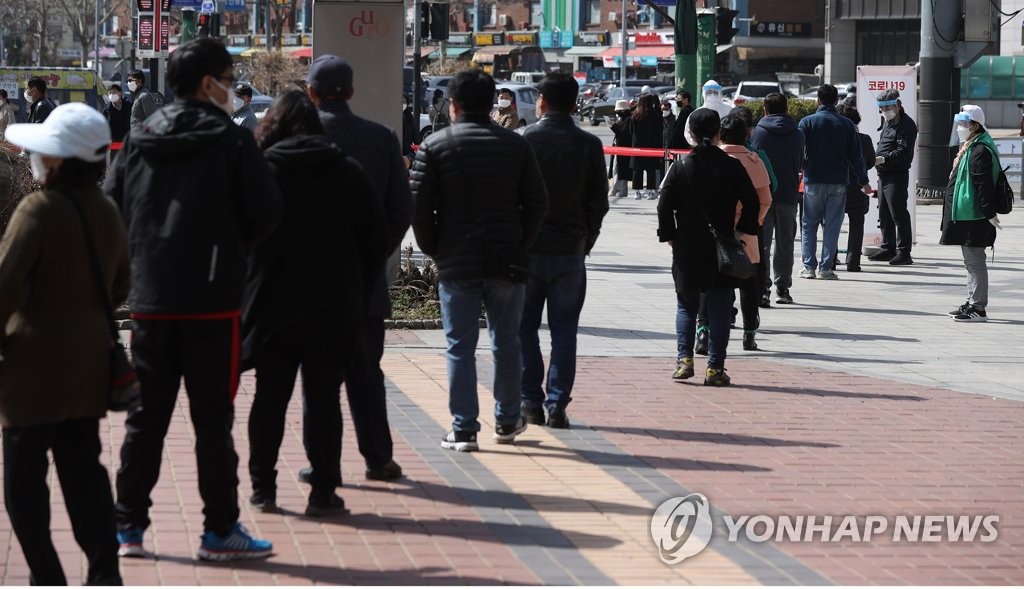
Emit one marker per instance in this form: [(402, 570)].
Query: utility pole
[(939, 96), (686, 44), (269, 34), (95, 39), (417, 67), (625, 47)]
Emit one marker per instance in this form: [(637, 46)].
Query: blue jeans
[(719, 307), (822, 203), (561, 282), (460, 313)]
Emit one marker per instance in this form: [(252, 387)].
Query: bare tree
[(81, 16), (281, 11)]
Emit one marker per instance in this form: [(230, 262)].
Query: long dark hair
[(291, 114), (76, 174), (647, 106)]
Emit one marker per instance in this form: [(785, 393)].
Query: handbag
[(730, 255), (124, 383)]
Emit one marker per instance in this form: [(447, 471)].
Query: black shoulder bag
[(124, 384), (729, 253), (501, 261)]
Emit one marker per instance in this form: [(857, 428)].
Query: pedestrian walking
[(243, 115), (893, 158), (969, 216), (831, 149), (196, 195), (572, 165), (857, 203), (779, 137), (410, 133), (438, 111), (622, 132), (55, 373), (376, 148), (306, 295), (669, 121), (118, 113), (40, 104), (479, 232), (702, 192), (506, 114), (646, 126), (144, 102)]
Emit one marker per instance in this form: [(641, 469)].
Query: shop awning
[(252, 51), (657, 51), (425, 50), (487, 54), (590, 50), (298, 52), (450, 52)]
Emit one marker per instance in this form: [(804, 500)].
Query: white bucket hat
[(621, 105), (73, 130)]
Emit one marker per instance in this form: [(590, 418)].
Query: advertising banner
[(872, 80)]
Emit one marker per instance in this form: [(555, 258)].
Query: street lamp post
[(625, 47)]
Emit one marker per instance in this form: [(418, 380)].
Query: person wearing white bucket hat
[(969, 216), (55, 373), (623, 137)]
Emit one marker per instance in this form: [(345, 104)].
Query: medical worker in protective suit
[(712, 92)]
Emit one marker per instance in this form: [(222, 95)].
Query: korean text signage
[(872, 80), (154, 27), (489, 38), (653, 38), (780, 29), (460, 39), (521, 38), (560, 39)]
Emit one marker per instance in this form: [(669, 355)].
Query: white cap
[(621, 105), (970, 112), (645, 90), (73, 130)]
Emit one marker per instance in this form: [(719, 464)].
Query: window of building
[(536, 13), (592, 12), (888, 42)]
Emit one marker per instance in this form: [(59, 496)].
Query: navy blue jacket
[(831, 146), (783, 143), (896, 145)]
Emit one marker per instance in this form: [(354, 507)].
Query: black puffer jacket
[(572, 162), (979, 232), (475, 183), (196, 195), (323, 259), (896, 145)]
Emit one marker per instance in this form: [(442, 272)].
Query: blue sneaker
[(237, 545), (131, 543)]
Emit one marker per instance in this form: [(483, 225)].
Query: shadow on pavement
[(826, 393), (628, 269), (768, 353), (842, 336), (710, 437), (865, 309), (620, 333)]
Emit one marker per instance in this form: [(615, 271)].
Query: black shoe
[(959, 310), (852, 268), (748, 341), (782, 297), (701, 345), (533, 415), (901, 259), (306, 475), (766, 302), (972, 314), (388, 472), (263, 502), (716, 377), (882, 256), (460, 441), (506, 433), (557, 418), (326, 506), (735, 312)]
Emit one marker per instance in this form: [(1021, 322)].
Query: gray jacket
[(245, 118), (143, 105)]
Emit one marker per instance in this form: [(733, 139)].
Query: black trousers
[(367, 400), (893, 214), (855, 239), (86, 486), (205, 352), (321, 350)]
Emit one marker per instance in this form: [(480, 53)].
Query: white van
[(527, 77)]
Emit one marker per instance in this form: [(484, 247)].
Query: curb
[(126, 324)]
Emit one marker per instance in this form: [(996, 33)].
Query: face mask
[(504, 103), (133, 86), (404, 106), (713, 98), (38, 167), (28, 98), (114, 98), (963, 133), (666, 113), (237, 103), (228, 103), (889, 114)]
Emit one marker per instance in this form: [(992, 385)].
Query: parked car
[(437, 83), (597, 109), (526, 101), (260, 102), (754, 91)]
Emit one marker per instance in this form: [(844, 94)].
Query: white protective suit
[(712, 93)]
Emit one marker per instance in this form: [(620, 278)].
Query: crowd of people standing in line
[(270, 251)]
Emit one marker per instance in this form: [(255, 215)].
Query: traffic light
[(439, 21), (203, 24), (723, 22), (424, 20)]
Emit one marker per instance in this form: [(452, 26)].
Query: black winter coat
[(979, 232), (622, 129), (572, 163), (858, 203), (667, 130), (783, 142), (119, 119), (475, 185), (196, 195), (678, 140), (896, 145), (377, 149), (647, 133), (323, 259), (720, 182)]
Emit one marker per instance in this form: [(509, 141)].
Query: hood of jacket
[(778, 124), (181, 127), (302, 153)]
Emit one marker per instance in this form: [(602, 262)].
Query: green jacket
[(966, 206)]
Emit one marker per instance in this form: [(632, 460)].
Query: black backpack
[(1004, 193)]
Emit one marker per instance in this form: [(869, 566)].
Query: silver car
[(526, 101)]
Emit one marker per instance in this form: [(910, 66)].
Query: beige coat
[(506, 117), (56, 340)]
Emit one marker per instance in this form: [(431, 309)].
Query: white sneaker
[(506, 434), (807, 273)]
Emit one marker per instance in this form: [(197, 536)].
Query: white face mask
[(39, 170), (28, 98), (132, 86), (504, 103), (404, 106), (713, 98), (666, 113), (114, 98), (963, 133), (888, 114), (229, 99), (237, 103)]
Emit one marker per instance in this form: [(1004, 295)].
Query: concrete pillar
[(840, 47)]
